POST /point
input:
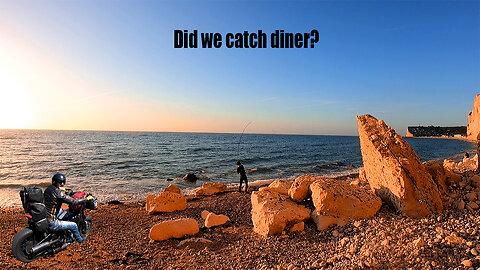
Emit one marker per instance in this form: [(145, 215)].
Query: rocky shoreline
[(119, 240)]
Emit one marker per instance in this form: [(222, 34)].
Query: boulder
[(210, 188), (173, 229), (166, 202), (394, 171), (213, 220), (273, 212), (339, 199), (322, 221), (279, 186), (474, 181), (148, 201), (298, 227), (453, 178), (299, 189), (205, 214), (173, 188), (190, 177), (437, 172)]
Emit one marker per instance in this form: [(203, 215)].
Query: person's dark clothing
[(54, 198), (243, 177)]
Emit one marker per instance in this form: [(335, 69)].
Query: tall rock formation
[(381, 146), (473, 127)]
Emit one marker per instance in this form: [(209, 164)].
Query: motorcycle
[(37, 240)]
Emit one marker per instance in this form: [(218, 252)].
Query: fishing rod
[(409, 177), (240, 140)]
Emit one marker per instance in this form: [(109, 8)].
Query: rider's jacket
[(54, 198)]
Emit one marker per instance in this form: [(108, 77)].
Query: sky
[(111, 65)]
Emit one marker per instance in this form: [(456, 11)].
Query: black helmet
[(238, 163), (59, 178)]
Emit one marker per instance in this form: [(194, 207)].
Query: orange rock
[(173, 188), (475, 181), (214, 220), (279, 186), (436, 170), (453, 178), (322, 221), (299, 189), (173, 229), (148, 202), (387, 177), (453, 239), (473, 127), (205, 214), (273, 212), (210, 188), (338, 199), (166, 202), (298, 227)]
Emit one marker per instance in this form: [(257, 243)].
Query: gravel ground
[(119, 240)]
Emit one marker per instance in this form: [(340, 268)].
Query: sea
[(131, 165)]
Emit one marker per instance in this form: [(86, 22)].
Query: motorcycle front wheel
[(85, 227), (22, 242)]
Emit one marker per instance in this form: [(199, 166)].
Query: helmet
[(59, 178), (238, 163)]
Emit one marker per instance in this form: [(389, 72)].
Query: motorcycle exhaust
[(41, 247)]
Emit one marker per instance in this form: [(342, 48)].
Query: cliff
[(473, 128), (432, 131)]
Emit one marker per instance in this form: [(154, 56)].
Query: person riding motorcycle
[(54, 198)]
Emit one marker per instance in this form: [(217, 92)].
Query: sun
[(15, 105)]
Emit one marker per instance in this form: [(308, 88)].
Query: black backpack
[(34, 206)]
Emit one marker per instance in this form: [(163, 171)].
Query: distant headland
[(469, 132)]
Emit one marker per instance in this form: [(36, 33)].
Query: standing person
[(243, 176)]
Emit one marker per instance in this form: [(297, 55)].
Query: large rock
[(436, 170), (473, 128), (381, 146), (273, 212), (339, 199), (322, 221), (279, 186), (474, 181), (165, 202), (299, 189), (213, 220), (173, 188), (210, 188), (173, 229)]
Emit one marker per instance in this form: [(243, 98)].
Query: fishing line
[(240, 140)]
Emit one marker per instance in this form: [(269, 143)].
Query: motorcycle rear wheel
[(23, 241)]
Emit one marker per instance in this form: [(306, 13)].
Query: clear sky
[(111, 65)]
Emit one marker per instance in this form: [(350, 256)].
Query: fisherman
[(243, 176)]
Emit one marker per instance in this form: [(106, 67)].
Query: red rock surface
[(387, 177), (210, 188), (473, 128), (273, 212), (166, 202), (176, 228), (299, 190), (341, 200)]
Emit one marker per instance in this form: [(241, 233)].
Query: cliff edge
[(473, 128)]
